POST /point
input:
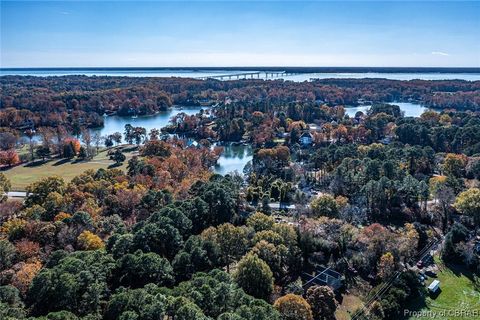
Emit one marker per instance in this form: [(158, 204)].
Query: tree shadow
[(461, 270), (130, 148), (416, 304), (115, 165), (77, 160), (434, 295), (60, 162), (36, 163)]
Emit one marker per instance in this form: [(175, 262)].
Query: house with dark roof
[(306, 138), (323, 276)]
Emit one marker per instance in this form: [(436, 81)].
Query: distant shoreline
[(260, 68)]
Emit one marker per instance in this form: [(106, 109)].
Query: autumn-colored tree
[(454, 164), (24, 276), (468, 203), (269, 236), (9, 158), (386, 265), (324, 205), (341, 201), (71, 147), (5, 186), (37, 192), (340, 132), (375, 238), (322, 301), (445, 119), (376, 311), (445, 196), (293, 307), (436, 182), (279, 154), (13, 228), (89, 241), (156, 147), (430, 115), (27, 249), (259, 222), (409, 244), (61, 216), (257, 117)]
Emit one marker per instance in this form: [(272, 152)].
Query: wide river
[(207, 73)]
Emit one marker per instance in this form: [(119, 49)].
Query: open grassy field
[(23, 175), (460, 290), (350, 304)]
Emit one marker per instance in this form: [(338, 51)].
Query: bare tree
[(97, 140), (117, 138), (87, 139), (30, 134), (7, 140), (445, 196)]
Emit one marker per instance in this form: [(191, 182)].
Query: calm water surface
[(391, 76), (206, 73), (409, 109), (120, 73), (233, 158), (114, 124)]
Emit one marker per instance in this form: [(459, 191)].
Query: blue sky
[(247, 33)]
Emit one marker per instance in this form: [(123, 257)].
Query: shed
[(434, 286)]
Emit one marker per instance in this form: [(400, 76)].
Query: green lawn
[(23, 175), (460, 290)]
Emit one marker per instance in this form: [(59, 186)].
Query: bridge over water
[(250, 75)]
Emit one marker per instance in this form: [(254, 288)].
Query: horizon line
[(258, 68)]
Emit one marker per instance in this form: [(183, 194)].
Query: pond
[(409, 109), (114, 124), (233, 158)]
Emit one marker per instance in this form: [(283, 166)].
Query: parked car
[(431, 273)]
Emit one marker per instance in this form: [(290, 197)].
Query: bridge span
[(250, 75)]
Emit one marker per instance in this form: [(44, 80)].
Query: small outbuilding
[(434, 286)]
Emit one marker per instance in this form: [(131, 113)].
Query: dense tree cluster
[(167, 239), (81, 100)]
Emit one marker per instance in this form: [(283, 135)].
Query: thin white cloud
[(439, 53), (64, 12)]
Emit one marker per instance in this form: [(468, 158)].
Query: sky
[(246, 33)]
